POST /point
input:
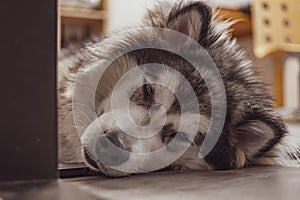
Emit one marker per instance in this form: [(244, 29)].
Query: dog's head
[(164, 103)]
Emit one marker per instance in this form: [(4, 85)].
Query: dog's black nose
[(110, 151)]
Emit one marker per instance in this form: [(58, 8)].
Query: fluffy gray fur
[(253, 133)]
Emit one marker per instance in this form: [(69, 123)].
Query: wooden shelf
[(243, 24), (81, 13)]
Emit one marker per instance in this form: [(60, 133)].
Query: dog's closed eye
[(182, 137), (179, 136)]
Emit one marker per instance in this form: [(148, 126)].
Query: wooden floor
[(253, 183), (265, 183)]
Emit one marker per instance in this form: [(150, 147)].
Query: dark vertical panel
[(27, 86)]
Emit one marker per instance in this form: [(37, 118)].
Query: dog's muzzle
[(109, 151)]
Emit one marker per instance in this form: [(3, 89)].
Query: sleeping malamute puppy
[(253, 133)]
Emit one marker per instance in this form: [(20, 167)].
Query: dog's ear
[(253, 137), (192, 19)]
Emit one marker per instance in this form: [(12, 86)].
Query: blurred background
[(266, 29)]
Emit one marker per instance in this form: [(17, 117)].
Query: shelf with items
[(82, 13), (92, 21)]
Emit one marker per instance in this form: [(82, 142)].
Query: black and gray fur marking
[(253, 133)]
